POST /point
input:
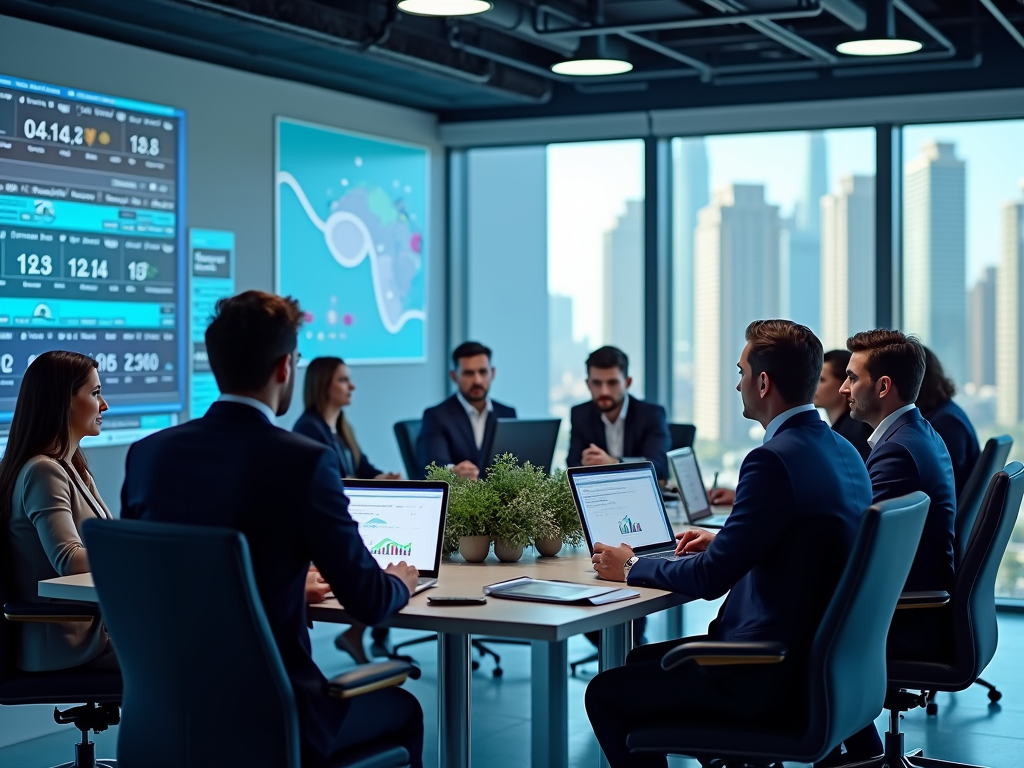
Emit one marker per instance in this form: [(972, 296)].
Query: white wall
[(230, 156)]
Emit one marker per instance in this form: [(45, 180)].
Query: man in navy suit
[(799, 501), (614, 426), (234, 468), (459, 432), (883, 379)]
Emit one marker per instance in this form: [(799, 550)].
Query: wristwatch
[(629, 564)]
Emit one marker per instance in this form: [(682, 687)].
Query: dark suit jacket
[(646, 433), (312, 425), (233, 468), (446, 436), (912, 457), (798, 504), (957, 432), (857, 432)]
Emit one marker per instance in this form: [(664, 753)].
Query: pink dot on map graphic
[(347, 319), (308, 317), (416, 242)]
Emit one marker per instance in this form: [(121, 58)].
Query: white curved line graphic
[(368, 250)]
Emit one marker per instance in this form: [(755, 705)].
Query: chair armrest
[(371, 677), (914, 600), (68, 611), (715, 653)]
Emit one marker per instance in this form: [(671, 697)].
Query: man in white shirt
[(458, 433)]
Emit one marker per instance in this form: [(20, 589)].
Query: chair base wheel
[(498, 672), (932, 708), (994, 696)]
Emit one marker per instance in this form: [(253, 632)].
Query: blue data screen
[(92, 242)]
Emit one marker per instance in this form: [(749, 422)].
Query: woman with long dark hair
[(46, 493), (935, 401), (326, 392)]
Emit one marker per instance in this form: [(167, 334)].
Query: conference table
[(548, 627)]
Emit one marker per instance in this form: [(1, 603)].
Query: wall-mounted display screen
[(92, 244), (351, 242)]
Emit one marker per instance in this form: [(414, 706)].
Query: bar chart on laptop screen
[(398, 525)]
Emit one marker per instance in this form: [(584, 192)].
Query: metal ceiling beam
[(1005, 22), (705, 69)]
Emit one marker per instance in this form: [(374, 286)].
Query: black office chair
[(99, 691), (407, 433), (846, 681), (681, 435), (972, 606), (993, 458), (204, 684)]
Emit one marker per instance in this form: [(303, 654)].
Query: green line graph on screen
[(390, 547), (351, 216)]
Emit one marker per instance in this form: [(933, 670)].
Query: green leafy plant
[(563, 509), (471, 507)]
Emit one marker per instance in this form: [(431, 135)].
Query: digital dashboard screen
[(92, 244)]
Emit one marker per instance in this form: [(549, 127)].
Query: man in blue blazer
[(884, 378), (613, 425), (459, 432), (780, 555), (234, 468)]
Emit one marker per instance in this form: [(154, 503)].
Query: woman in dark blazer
[(48, 493), (935, 401), (326, 393)]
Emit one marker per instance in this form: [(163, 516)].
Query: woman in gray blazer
[(47, 493)]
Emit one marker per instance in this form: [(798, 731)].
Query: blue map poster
[(351, 216)]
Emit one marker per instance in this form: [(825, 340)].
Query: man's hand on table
[(406, 573), (609, 561), (693, 540), (467, 469), (592, 455), (722, 497), (316, 586)]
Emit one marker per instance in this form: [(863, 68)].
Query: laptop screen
[(691, 486), (399, 523), (621, 505)]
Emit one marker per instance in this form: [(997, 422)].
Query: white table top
[(508, 618)]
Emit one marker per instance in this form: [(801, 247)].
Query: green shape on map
[(382, 206)]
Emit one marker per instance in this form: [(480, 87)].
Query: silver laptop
[(401, 520), (621, 503), (683, 462)]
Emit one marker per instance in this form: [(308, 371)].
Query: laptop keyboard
[(670, 555)]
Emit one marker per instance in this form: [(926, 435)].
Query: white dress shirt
[(615, 431), (782, 418), (252, 402), (477, 419), (881, 429)]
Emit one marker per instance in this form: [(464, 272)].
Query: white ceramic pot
[(548, 547), (507, 553), (474, 549)]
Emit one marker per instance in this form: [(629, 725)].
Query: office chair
[(975, 631), (993, 458), (407, 433), (846, 683), (681, 435), (204, 684), (99, 691)]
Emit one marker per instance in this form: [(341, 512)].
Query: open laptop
[(622, 503), (683, 462), (531, 440), (401, 520)]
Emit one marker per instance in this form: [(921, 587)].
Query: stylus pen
[(714, 483)]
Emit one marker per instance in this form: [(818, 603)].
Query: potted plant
[(520, 490), (471, 505), (558, 522)]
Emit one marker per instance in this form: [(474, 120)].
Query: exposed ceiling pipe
[(1005, 22), (848, 12), (704, 69), (776, 32), (514, 18), (924, 25)]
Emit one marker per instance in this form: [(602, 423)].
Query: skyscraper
[(848, 260), (690, 181), (624, 288), (981, 330), (736, 280), (800, 249), (1009, 319), (934, 254)]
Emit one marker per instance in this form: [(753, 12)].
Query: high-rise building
[(847, 261), (1009, 319), (736, 280), (624, 288), (800, 249), (815, 186), (981, 330), (690, 182), (935, 254)]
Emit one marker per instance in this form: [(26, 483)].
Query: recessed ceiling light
[(597, 55), (591, 67), (444, 7), (881, 47)]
